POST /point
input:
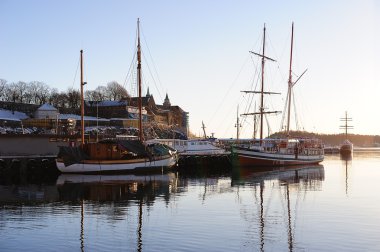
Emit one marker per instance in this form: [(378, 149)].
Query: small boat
[(346, 147), (115, 155), (278, 152), (194, 147)]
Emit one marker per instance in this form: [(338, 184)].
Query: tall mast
[(81, 98), (262, 90), (346, 127), (139, 79), (254, 124), (290, 83), (238, 125), (204, 130)]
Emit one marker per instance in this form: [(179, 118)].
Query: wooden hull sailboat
[(277, 152), (114, 156)]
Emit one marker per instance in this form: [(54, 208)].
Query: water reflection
[(139, 190), (296, 179), (346, 161)]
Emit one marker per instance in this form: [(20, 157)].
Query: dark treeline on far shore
[(37, 92), (336, 139)]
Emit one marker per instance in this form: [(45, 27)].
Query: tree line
[(37, 92), (335, 139)]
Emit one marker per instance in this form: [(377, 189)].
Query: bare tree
[(3, 85), (54, 97), (42, 92), (101, 93), (73, 98), (10, 93), (116, 91), (20, 89), (63, 100)]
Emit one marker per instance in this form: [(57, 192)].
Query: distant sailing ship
[(278, 152), (346, 147), (112, 156)]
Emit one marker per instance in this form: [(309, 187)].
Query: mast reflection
[(122, 190), (288, 179), (346, 160)]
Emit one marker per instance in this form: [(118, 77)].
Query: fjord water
[(334, 206)]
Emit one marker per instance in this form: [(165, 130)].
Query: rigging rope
[(76, 72), (155, 84), (154, 67)]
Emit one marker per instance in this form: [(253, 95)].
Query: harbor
[(189, 126), (284, 209)]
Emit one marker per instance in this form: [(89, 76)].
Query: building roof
[(47, 107), (106, 103), (15, 116), (77, 117)]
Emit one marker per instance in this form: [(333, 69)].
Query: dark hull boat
[(278, 152), (115, 156)]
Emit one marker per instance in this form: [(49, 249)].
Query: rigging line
[(154, 65), (155, 84), (76, 72), (255, 79), (130, 70), (229, 89), (282, 125), (232, 120), (295, 113), (268, 125)]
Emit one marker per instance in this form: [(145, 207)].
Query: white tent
[(46, 111)]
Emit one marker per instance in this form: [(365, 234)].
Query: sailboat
[(115, 155), (277, 152), (346, 147)]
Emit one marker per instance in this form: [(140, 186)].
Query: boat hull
[(256, 158), (346, 149), (117, 166)]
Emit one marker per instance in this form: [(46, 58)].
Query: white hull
[(193, 148), (249, 157), (116, 166), (121, 178)]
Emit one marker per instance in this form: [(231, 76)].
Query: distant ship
[(278, 152), (346, 147)]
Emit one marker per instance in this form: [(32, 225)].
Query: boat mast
[(81, 98), (238, 125), (139, 80), (204, 130), (290, 83), (346, 127), (262, 90)]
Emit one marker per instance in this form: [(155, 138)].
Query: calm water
[(331, 207)]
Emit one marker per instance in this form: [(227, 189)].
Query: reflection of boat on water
[(115, 187), (111, 156), (290, 180), (293, 174), (278, 152), (127, 189), (347, 159), (122, 178)]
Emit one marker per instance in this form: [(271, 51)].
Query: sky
[(198, 53)]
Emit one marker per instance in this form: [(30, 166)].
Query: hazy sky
[(200, 52)]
